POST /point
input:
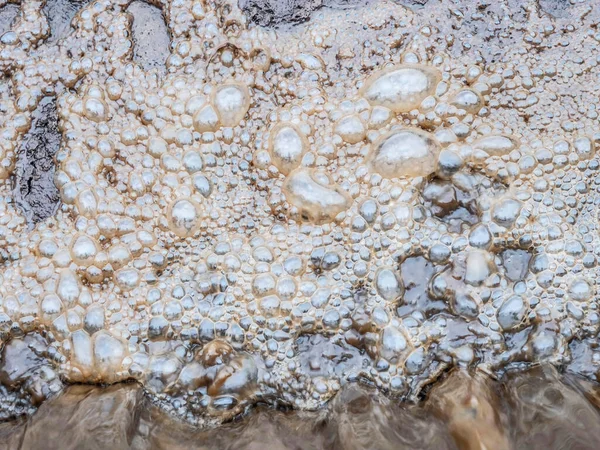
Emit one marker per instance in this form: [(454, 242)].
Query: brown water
[(538, 409)]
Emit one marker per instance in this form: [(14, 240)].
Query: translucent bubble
[(83, 250), (317, 199), (95, 109), (388, 284), (287, 146), (184, 217), (496, 145), (506, 211), (469, 100), (512, 312), (405, 153), (402, 88), (351, 129), (206, 119), (580, 290), (231, 101)]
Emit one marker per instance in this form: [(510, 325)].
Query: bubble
[(479, 266), (231, 101), (127, 278), (83, 250), (584, 148), (512, 312), (405, 153), (87, 203), (449, 163), (192, 161), (506, 211), (402, 88), (68, 288), (50, 308), (316, 197), (287, 145), (464, 305), (351, 129), (379, 117), (368, 210), (206, 119), (157, 146), (83, 356), (270, 305), (495, 145), (389, 284), (184, 217), (108, 355), (94, 319), (469, 100), (394, 344), (202, 184), (95, 109), (580, 290), (480, 236), (263, 284)]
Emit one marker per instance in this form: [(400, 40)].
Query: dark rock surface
[(150, 36), (275, 12), (35, 192), (59, 14)]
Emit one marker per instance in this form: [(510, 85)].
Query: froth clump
[(408, 152), (401, 88), (313, 194)]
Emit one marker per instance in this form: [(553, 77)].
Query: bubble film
[(251, 214)]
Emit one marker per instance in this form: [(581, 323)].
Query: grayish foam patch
[(7, 15)]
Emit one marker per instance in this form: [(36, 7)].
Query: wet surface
[(35, 192), (8, 13), (274, 12), (555, 8), (551, 414), (150, 36), (538, 409), (60, 13)]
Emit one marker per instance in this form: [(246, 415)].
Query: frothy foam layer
[(279, 212)]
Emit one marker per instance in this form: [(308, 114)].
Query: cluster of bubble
[(236, 230)]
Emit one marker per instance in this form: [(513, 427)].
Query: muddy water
[(60, 13), (538, 409)]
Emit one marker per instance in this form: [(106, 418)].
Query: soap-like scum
[(374, 195)]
